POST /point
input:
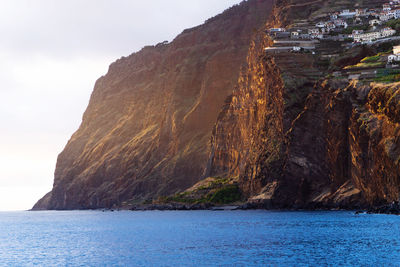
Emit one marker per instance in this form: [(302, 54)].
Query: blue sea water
[(198, 238)]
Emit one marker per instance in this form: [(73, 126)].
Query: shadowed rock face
[(147, 129)]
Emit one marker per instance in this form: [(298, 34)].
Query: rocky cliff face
[(295, 140), (375, 143), (252, 136), (213, 104), (147, 129)]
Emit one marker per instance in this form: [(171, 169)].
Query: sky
[(51, 53)]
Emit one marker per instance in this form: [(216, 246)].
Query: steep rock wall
[(147, 128), (286, 135), (295, 141), (375, 144), (250, 139)]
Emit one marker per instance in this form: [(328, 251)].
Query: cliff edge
[(212, 118), (147, 129)]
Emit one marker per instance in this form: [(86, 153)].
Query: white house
[(347, 14), (366, 37), (386, 7), (277, 30), (374, 22), (329, 26), (315, 33), (340, 23), (396, 49), (361, 12), (391, 14), (387, 31), (394, 58), (385, 16), (324, 30), (396, 13)]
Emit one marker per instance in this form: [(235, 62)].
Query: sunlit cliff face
[(213, 104), (147, 129), (51, 53)]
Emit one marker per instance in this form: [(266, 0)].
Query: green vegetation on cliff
[(211, 190)]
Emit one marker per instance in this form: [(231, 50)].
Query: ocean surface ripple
[(198, 238)]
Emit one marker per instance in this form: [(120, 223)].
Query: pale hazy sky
[(51, 53)]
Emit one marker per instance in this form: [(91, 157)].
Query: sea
[(198, 238)]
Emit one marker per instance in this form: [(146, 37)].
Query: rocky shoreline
[(389, 209), (392, 208), (182, 206), (234, 206)]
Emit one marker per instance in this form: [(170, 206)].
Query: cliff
[(211, 118), (295, 139), (147, 128)]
